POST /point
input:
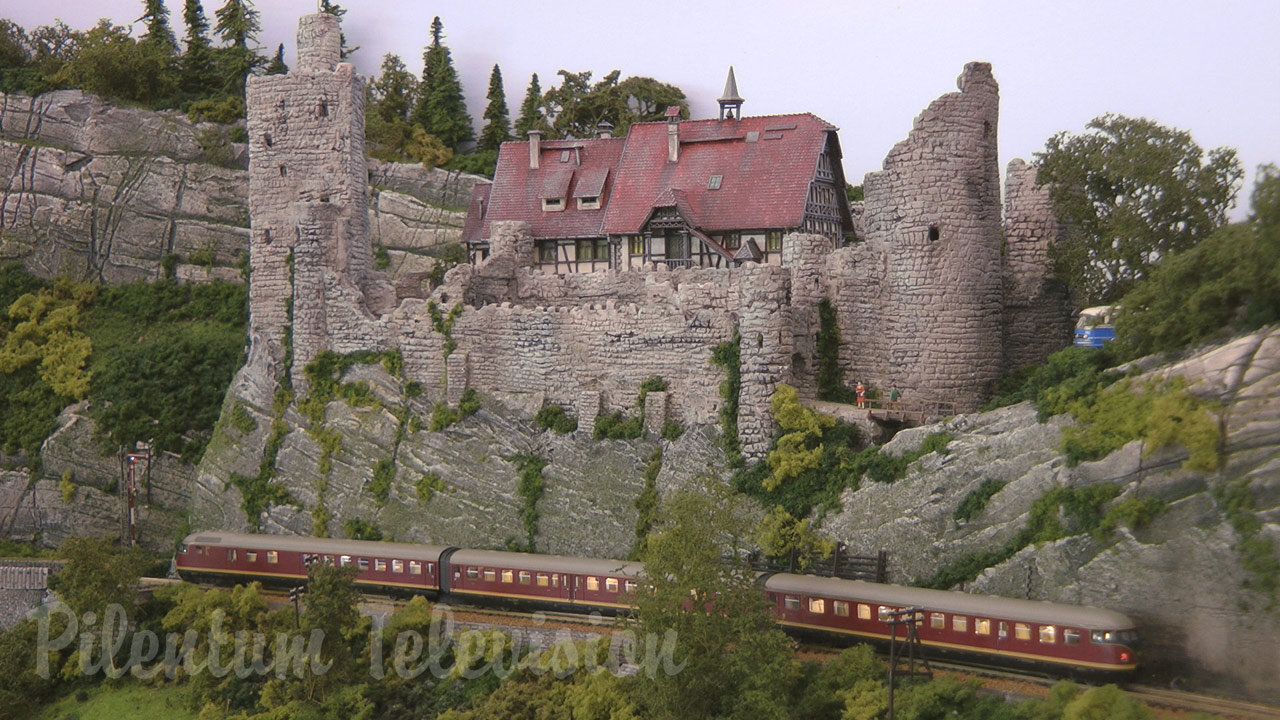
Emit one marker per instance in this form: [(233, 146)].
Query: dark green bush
[(976, 500), (469, 403), (1065, 376), (654, 383), (554, 417), (529, 488), (380, 486), (672, 430), (361, 529), (616, 426)]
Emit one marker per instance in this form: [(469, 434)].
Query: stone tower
[(308, 192), (1037, 307), (934, 212)]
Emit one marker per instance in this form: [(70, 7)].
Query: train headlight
[(1126, 657)]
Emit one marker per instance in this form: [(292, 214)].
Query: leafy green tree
[(392, 94), (97, 575), (441, 110), (198, 75), (530, 110), (497, 128), (427, 149), (577, 106), (109, 63), (1131, 192), (799, 449), (700, 587), (782, 534), (277, 65), (1106, 703), (1228, 283)]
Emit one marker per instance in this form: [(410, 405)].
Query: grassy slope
[(130, 701)]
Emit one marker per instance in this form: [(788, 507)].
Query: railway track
[(1191, 702)]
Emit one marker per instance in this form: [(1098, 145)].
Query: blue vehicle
[(1095, 327)]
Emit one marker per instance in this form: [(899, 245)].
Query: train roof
[(328, 546), (991, 606), (552, 563)]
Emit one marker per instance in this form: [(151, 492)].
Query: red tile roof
[(518, 190), (765, 163)]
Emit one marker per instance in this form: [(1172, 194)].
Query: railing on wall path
[(910, 412), (839, 564)]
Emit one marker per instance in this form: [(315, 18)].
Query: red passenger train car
[(1053, 637), (1073, 639)]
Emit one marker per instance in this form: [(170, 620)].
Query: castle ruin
[(934, 299)]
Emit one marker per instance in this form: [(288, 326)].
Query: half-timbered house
[(714, 193)]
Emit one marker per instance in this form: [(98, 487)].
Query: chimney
[(535, 148), (604, 129), (673, 134)]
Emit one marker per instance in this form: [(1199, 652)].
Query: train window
[(630, 586), (431, 568), (473, 573), (864, 612), (525, 577), (380, 565), (555, 580), (886, 614), (1048, 634), (363, 564), (272, 557), (508, 576), (611, 585), (1021, 631), (840, 608), (543, 580), (231, 556), (182, 549), (1071, 637), (344, 561), (490, 575), (791, 602), (251, 556), (937, 621), (593, 584), (817, 605), (959, 623), (415, 567), (981, 626), (772, 598), (397, 566)]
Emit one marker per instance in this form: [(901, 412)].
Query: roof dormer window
[(564, 156), (552, 204), (589, 203), (713, 183)]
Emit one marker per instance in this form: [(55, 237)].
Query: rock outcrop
[(104, 192), (1180, 577)]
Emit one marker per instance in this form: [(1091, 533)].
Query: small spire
[(730, 100)]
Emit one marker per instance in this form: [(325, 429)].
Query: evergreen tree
[(441, 110), (338, 11), (393, 89), (531, 109), (497, 129), (277, 66), (159, 35), (238, 26), (198, 77)]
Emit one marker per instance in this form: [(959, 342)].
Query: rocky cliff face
[(1180, 577), (96, 191)]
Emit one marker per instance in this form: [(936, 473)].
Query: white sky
[(869, 67)]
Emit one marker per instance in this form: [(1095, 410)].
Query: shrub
[(654, 383), (727, 356), (428, 485), (799, 448), (361, 529), (529, 488), (975, 501), (1160, 414), (67, 488), (1064, 377), (413, 389), (672, 430), (1133, 513), (383, 473), (616, 426), (381, 258), (554, 417), (469, 403), (646, 504), (242, 420), (442, 417), (219, 110)]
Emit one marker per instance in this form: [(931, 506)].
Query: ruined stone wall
[(804, 255), (765, 349), (854, 277), (306, 143), (935, 209), (1037, 309)]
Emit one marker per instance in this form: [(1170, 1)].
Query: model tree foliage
[(277, 65), (577, 106), (734, 654), (441, 110), (1228, 283), (1130, 192), (199, 76), (530, 110), (497, 128), (391, 99)]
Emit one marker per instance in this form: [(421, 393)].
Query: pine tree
[(338, 11), (277, 66), (393, 89), (198, 77), (441, 110), (497, 129), (531, 109), (238, 26), (158, 33)]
